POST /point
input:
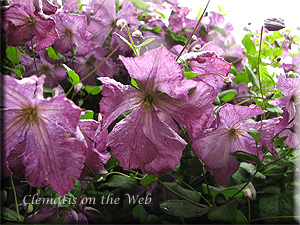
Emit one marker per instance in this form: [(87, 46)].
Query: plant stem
[(15, 196), (190, 38), (37, 71), (88, 22)]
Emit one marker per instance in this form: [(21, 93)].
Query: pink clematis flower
[(42, 140), (105, 21), (72, 29), (232, 135), (146, 138), (290, 87), (25, 22)]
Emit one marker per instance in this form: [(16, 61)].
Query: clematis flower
[(54, 74), (207, 61), (72, 30), (290, 87), (41, 138), (145, 139), (83, 65), (295, 66), (24, 21), (232, 135), (105, 20)]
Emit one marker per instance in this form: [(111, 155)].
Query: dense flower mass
[(130, 111)]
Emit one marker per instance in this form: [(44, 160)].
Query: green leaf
[(230, 95), (88, 114), (246, 156), (224, 213), (13, 54), (139, 212), (240, 218), (223, 93), (139, 4), (74, 78), (296, 39), (192, 195), (274, 109), (279, 141), (190, 75), (254, 133), (229, 191), (133, 82), (10, 215), (241, 78), (249, 45), (161, 14), (17, 71), (277, 52), (93, 90), (121, 182), (268, 207), (183, 208), (252, 77), (251, 169), (52, 54), (147, 41), (48, 90), (147, 179), (220, 30)]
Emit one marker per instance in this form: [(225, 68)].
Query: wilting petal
[(117, 99), (142, 141), (155, 71)]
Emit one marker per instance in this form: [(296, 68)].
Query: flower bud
[(121, 23), (137, 34), (247, 193), (249, 85), (273, 24), (77, 88), (269, 95), (29, 207), (194, 38), (197, 48), (3, 196), (227, 80)]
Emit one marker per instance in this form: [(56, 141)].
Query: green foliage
[(13, 54), (93, 90), (88, 114), (224, 213), (183, 208)]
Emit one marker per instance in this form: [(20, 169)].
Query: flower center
[(147, 100), (90, 61), (296, 98), (45, 69), (30, 21), (28, 115), (68, 32)]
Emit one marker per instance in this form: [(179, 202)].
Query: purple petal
[(96, 155), (155, 71), (143, 141), (117, 99), (194, 113)]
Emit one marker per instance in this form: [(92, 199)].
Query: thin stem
[(190, 38), (37, 71), (258, 74), (291, 150), (275, 217), (249, 210), (131, 40), (97, 66), (15, 196), (88, 22)]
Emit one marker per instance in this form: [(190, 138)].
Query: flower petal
[(157, 70), (117, 99), (142, 141)]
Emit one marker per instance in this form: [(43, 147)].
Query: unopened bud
[(77, 88), (250, 85), (278, 59), (197, 48), (227, 43), (247, 193), (194, 38), (269, 95), (29, 207), (3, 196), (121, 23), (274, 24), (227, 80), (137, 34), (292, 75)]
